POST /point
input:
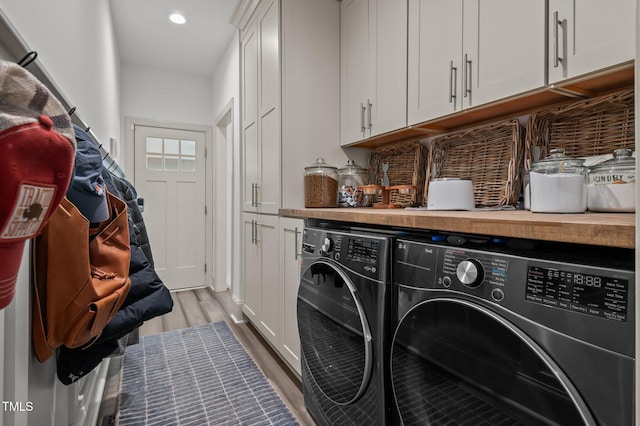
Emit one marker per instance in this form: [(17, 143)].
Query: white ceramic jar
[(558, 184), (612, 184)]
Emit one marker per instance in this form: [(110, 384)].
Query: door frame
[(129, 163), (224, 144)]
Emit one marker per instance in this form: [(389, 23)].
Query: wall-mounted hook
[(27, 59), (72, 110)]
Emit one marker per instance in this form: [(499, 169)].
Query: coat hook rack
[(28, 59)]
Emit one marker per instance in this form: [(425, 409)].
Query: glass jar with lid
[(320, 185), (612, 184), (350, 177), (558, 184)]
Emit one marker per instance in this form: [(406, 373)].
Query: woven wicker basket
[(407, 166), (596, 126), (491, 156)]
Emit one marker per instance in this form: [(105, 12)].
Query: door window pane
[(188, 148), (188, 164), (171, 164), (172, 146), (154, 145), (154, 162)]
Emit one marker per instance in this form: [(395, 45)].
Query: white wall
[(226, 89), (76, 45), (162, 96)]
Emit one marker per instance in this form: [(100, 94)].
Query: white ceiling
[(145, 35)]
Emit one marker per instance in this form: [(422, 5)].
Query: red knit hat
[(37, 147)]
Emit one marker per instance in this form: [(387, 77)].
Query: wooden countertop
[(603, 229)]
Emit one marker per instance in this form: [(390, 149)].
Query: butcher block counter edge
[(602, 229)]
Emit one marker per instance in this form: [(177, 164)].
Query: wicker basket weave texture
[(491, 156), (584, 128), (407, 166)]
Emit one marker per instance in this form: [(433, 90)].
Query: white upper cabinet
[(589, 35), (373, 68), (464, 53), (261, 111), (435, 50), (354, 69)]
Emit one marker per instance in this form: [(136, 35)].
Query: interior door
[(170, 176)]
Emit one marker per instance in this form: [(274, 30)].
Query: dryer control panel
[(592, 293), (593, 303)]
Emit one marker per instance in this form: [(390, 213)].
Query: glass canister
[(350, 177), (320, 185), (558, 184), (612, 184)]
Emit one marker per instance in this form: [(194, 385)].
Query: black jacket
[(147, 298), (130, 196)]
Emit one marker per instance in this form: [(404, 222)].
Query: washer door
[(454, 362), (334, 334)]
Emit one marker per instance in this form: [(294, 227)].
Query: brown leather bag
[(81, 276)]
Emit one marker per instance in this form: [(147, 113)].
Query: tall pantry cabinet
[(261, 110), (290, 51)]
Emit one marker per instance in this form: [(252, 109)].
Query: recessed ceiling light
[(177, 18)]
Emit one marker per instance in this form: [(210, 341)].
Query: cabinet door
[(250, 265), (589, 35), (290, 249), (250, 119), (354, 69), (388, 69), (503, 49), (269, 63), (268, 192), (434, 62), (268, 241)]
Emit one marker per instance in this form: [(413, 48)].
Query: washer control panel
[(362, 253)]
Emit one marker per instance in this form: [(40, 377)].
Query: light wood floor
[(202, 306)]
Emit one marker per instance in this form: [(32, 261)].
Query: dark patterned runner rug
[(196, 376)]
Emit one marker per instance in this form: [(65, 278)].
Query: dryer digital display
[(590, 294)]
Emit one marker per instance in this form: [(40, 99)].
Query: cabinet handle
[(256, 232), (254, 195), (362, 111), (467, 76), (295, 248), (453, 76), (253, 232), (369, 107), (556, 49)]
